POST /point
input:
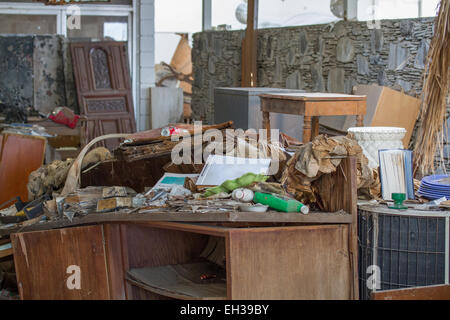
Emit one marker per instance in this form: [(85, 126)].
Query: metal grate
[(409, 250)]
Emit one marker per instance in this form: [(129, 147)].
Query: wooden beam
[(249, 47), (438, 292)]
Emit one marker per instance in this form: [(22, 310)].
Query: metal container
[(243, 107), (408, 248)]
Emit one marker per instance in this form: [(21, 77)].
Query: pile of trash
[(280, 174)]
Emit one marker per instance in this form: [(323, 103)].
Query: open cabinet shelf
[(276, 257), (182, 281)]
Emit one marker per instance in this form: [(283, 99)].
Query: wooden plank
[(313, 96), (438, 292), (332, 108), (190, 227), (114, 258), (344, 197), (19, 156), (282, 106), (42, 260), (249, 69), (307, 262), (244, 217)]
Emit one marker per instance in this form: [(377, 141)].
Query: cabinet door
[(103, 87), (61, 264)]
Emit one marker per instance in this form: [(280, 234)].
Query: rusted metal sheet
[(104, 89)]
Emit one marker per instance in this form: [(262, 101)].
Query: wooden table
[(312, 106)]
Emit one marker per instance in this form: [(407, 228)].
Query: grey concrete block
[(345, 50), (398, 56), (166, 106)]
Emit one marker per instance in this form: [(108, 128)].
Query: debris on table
[(322, 156), (230, 185), (51, 178)]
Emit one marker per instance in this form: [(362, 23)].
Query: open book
[(396, 173)]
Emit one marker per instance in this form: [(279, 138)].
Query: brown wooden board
[(42, 260), (249, 69), (304, 262), (103, 85), (315, 96), (19, 156), (439, 292), (233, 218), (388, 108), (338, 191), (116, 273)]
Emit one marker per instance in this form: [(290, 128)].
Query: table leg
[(266, 123), (360, 120), (307, 126), (315, 127)]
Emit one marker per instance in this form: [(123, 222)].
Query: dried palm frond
[(434, 95)]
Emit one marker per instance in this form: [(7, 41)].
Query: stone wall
[(330, 57)]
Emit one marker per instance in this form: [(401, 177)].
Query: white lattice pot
[(372, 139)]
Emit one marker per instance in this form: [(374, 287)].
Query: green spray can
[(280, 203)]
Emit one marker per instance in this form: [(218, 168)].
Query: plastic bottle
[(280, 204)]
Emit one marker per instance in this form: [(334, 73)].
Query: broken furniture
[(19, 156), (103, 87), (268, 255), (66, 142), (243, 107), (411, 247), (312, 106)]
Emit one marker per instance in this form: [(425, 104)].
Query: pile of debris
[(295, 180)]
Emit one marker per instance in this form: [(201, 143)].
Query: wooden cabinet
[(287, 262), (47, 260), (145, 256)]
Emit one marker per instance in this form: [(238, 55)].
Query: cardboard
[(387, 108)]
